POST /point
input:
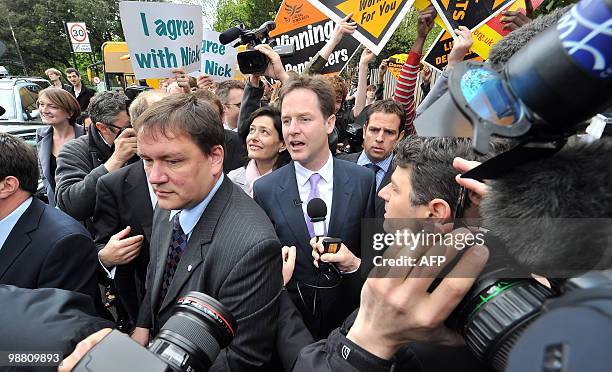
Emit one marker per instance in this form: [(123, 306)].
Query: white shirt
[(325, 186), (8, 223)]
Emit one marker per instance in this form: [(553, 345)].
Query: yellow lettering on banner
[(372, 15)]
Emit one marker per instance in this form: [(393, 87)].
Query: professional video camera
[(190, 340), (252, 61), (557, 81)]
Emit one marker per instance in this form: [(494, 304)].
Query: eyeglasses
[(234, 104), (118, 128)]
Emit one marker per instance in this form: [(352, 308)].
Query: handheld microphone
[(317, 211), (230, 35)]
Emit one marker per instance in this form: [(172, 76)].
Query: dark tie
[(177, 246), (373, 167)]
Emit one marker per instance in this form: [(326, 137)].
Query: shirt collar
[(302, 174), (8, 223), (190, 217), (383, 164)]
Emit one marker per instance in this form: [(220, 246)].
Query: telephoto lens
[(192, 338)]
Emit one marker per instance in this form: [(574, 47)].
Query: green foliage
[(549, 5), (39, 29), (252, 12)]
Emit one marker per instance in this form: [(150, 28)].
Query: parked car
[(18, 98)]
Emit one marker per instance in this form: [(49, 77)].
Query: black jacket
[(84, 97)]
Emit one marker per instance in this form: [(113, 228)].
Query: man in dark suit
[(207, 235), (39, 245), (383, 129), (348, 190), (122, 225), (82, 94)]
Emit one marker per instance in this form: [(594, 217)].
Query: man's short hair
[(105, 106), (143, 101), (504, 49), (18, 159), (388, 106), (572, 184), (430, 160), (64, 100), (209, 96), (70, 70), (53, 71), (225, 87), (371, 88), (184, 113), (319, 85)]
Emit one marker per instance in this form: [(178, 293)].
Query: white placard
[(218, 60), (162, 37)]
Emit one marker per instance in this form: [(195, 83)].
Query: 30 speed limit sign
[(78, 37)]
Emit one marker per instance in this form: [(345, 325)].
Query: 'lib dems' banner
[(162, 37), (437, 56), (469, 13), (218, 60), (376, 19), (395, 63), (300, 24)]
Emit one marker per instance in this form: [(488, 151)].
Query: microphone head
[(316, 209), (230, 35)]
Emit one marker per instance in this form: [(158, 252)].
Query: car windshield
[(7, 102)]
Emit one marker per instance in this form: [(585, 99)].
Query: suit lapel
[(286, 198), (340, 199), (200, 236), (19, 238), (138, 197)]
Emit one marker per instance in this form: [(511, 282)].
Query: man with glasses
[(109, 145), (230, 93)]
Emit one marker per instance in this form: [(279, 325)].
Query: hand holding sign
[(426, 21), (366, 57), (346, 26), (514, 19), (461, 46), (205, 82)]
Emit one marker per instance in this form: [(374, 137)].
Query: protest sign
[(437, 55), (395, 64), (376, 19), (469, 13), (162, 37), (218, 60), (300, 24)]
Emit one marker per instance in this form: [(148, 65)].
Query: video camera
[(252, 61), (190, 340), (546, 91)]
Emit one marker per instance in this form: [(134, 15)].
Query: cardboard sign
[(162, 37), (376, 19), (302, 25), (469, 13), (489, 33), (437, 56), (395, 64), (218, 60), (79, 39)]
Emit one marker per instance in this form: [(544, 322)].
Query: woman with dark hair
[(265, 147), (59, 110)]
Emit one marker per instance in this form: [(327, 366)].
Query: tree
[(252, 12), (39, 30)]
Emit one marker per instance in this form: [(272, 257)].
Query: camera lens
[(192, 338)]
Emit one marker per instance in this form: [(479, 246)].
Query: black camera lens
[(193, 337)]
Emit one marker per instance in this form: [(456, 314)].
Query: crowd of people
[(203, 186)]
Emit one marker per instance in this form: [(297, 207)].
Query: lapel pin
[(189, 268)]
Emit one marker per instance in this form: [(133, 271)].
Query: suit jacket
[(122, 199), (232, 255), (352, 200), (44, 144), (48, 249), (84, 97), (235, 151), (379, 203)]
